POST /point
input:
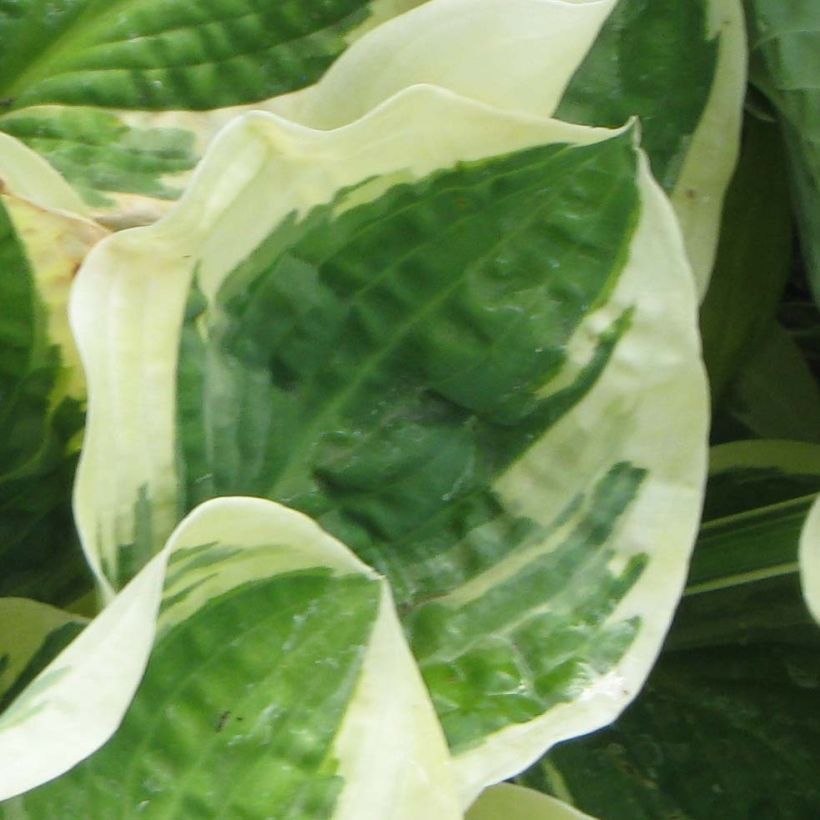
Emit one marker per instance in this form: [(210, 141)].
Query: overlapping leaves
[(111, 95), (341, 335), (41, 394), (739, 675), (403, 310)]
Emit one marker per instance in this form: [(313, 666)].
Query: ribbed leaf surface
[(155, 54), (70, 72), (409, 358), (727, 725), (277, 667)]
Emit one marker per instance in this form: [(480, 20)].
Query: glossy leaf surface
[(278, 673), (727, 724), (339, 355)]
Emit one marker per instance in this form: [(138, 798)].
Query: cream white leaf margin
[(263, 168), (78, 701), (713, 151), (668, 416), (516, 54), (25, 173), (809, 556), (260, 169), (74, 705), (509, 802), (520, 55)]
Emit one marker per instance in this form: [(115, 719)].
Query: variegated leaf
[(810, 559), (71, 73), (129, 140), (736, 686), (41, 383), (680, 68), (463, 341), (279, 684)]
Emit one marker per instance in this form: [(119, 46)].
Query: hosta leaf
[(531, 39), (785, 44), (33, 634), (318, 324), (100, 153), (131, 164), (71, 75), (81, 695), (680, 67), (509, 802), (625, 75), (603, 81), (41, 385), (159, 55), (774, 394), (24, 173), (279, 685), (753, 260), (727, 725), (759, 494), (692, 145)]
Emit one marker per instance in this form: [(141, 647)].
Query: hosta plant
[(372, 331)]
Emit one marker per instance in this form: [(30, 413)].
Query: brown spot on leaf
[(222, 720)]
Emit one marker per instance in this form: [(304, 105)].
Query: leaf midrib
[(295, 465), (82, 30)]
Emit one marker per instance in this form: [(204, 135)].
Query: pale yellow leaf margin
[(713, 151), (809, 556), (508, 802), (78, 701)]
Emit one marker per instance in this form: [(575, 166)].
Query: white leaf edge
[(809, 557), (659, 357), (510, 802), (515, 55), (25, 173), (488, 50), (492, 51), (94, 680), (130, 293), (795, 457), (715, 146), (70, 718)]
